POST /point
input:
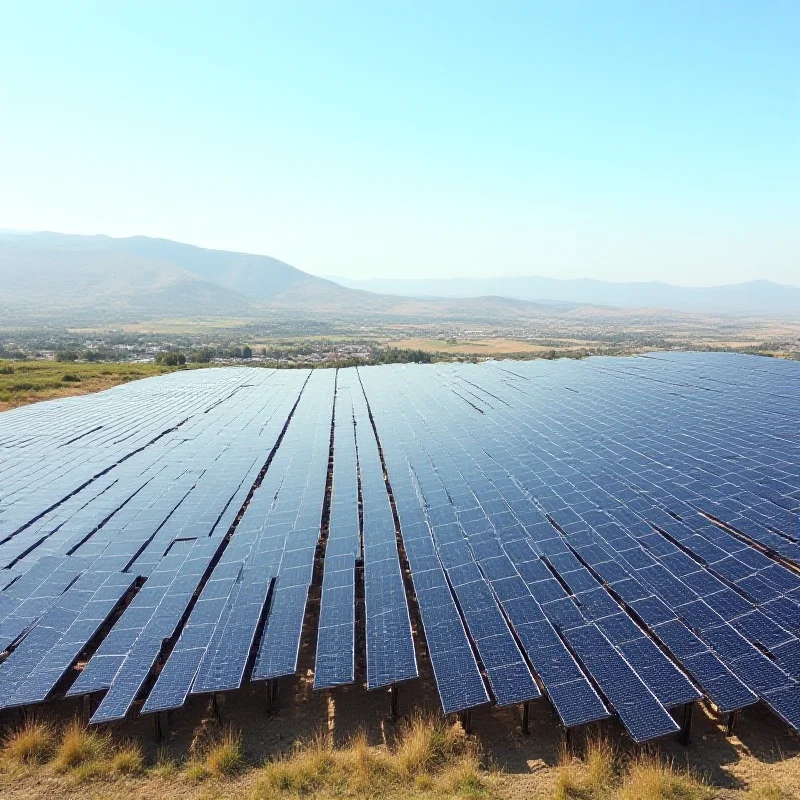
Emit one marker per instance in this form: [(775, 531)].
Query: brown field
[(32, 381), (484, 347), (169, 326)]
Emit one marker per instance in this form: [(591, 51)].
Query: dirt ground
[(485, 347)]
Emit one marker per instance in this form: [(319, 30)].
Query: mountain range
[(752, 297), (65, 277), (46, 276)]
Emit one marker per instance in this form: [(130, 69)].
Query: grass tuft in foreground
[(31, 743), (127, 759), (225, 757), (652, 778), (768, 791), (216, 756), (428, 756), (82, 748), (601, 773), (589, 777), (427, 760)]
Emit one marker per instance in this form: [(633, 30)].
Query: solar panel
[(549, 513), (389, 643), (31, 672)]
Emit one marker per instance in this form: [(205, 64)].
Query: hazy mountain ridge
[(49, 279), (45, 274), (752, 297), (58, 275)]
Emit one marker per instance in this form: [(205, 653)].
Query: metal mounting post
[(274, 692), (686, 724), (86, 708), (526, 718), (731, 724), (466, 721), (215, 709)]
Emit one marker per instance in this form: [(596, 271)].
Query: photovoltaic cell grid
[(620, 535)]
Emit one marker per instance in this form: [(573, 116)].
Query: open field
[(296, 339), (491, 346), (31, 381), (172, 326)]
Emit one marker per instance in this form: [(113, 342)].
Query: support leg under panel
[(686, 724), (466, 721)]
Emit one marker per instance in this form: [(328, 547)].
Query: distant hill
[(46, 275), (53, 276), (754, 297)]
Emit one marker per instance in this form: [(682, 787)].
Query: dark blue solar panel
[(518, 502), (721, 686), (642, 714)]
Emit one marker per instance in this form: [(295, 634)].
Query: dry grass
[(166, 765), (225, 757), (428, 757), (590, 777), (31, 743), (213, 756), (653, 778), (309, 767), (78, 752), (569, 782), (601, 763), (602, 774), (196, 772), (464, 779), (127, 759), (769, 791), (32, 381), (425, 744), (81, 747)]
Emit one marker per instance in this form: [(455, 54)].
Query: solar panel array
[(618, 535)]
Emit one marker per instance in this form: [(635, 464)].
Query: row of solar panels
[(586, 529)]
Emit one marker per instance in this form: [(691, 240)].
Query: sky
[(613, 139)]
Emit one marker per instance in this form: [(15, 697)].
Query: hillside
[(753, 297), (58, 273), (51, 275), (44, 278)]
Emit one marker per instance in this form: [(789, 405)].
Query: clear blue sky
[(647, 139)]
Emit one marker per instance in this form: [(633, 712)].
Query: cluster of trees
[(87, 355), (205, 354), (398, 355), (293, 351), (171, 359), (392, 355)]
